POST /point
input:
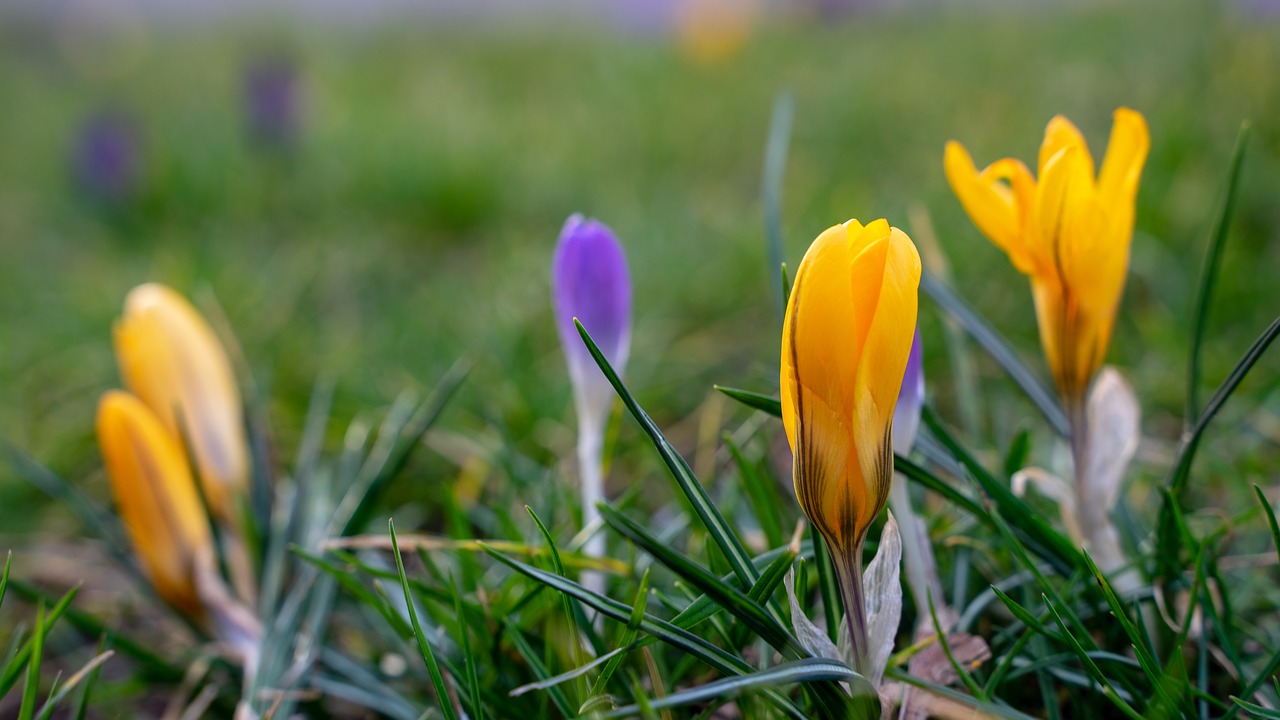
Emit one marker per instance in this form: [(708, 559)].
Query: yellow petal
[(818, 363), (1126, 154), (171, 359), (997, 210), (1059, 135), (883, 360), (817, 316), (156, 497), (1063, 207)]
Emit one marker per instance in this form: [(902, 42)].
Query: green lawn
[(415, 222)]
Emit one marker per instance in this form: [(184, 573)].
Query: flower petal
[(998, 211), (1059, 135), (1126, 154), (883, 359), (156, 496)]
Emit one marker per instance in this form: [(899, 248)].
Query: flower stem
[(591, 487), (849, 578)]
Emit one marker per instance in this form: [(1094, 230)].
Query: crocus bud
[(906, 416), (157, 498), (170, 358), (845, 343), (590, 282)]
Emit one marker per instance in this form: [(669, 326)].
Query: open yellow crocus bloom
[(157, 498), (170, 358), (847, 334), (1068, 231)]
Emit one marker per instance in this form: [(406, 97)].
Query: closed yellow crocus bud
[(846, 338), (1068, 231), (171, 359), (157, 498)]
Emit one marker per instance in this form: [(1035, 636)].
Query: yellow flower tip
[(156, 497), (847, 333), (172, 360)]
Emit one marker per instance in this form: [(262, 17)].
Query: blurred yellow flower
[(846, 338), (170, 358), (1067, 231), (710, 31), (157, 498)]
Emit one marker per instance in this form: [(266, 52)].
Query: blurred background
[(367, 191)]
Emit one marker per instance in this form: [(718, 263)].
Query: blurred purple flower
[(906, 416), (272, 103), (590, 282), (106, 159)]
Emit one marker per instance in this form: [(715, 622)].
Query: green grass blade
[(539, 669), (82, 707), (358, 506), (1108, 690), (1158, 678), (866, 698), (1209, 273), (91, 515), (676, 637), (1191, 440), (1266, 506), (734, 601), (628, 638), (1046, 541), (571, 610), (86, 674), (762, 493), (950, 493), (754, 400), (999, 350), (1255, 710), (721, 534), (997, 711), (775, 164), (4, 576), (424, 646), (22, 659), (32, 687), (364, 595), (828, 589), (468, 657), (151, 666)]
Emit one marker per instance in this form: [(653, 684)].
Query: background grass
[(415, 219)]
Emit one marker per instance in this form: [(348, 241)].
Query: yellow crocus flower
[(846, 338), (157, 498), (1068, 231), (170, 358)]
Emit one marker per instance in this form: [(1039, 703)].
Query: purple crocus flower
[(271, 99), (590, 282), (105, 159), (906, 416)]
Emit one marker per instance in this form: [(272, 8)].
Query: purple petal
[(906, 415), (590, 281)]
